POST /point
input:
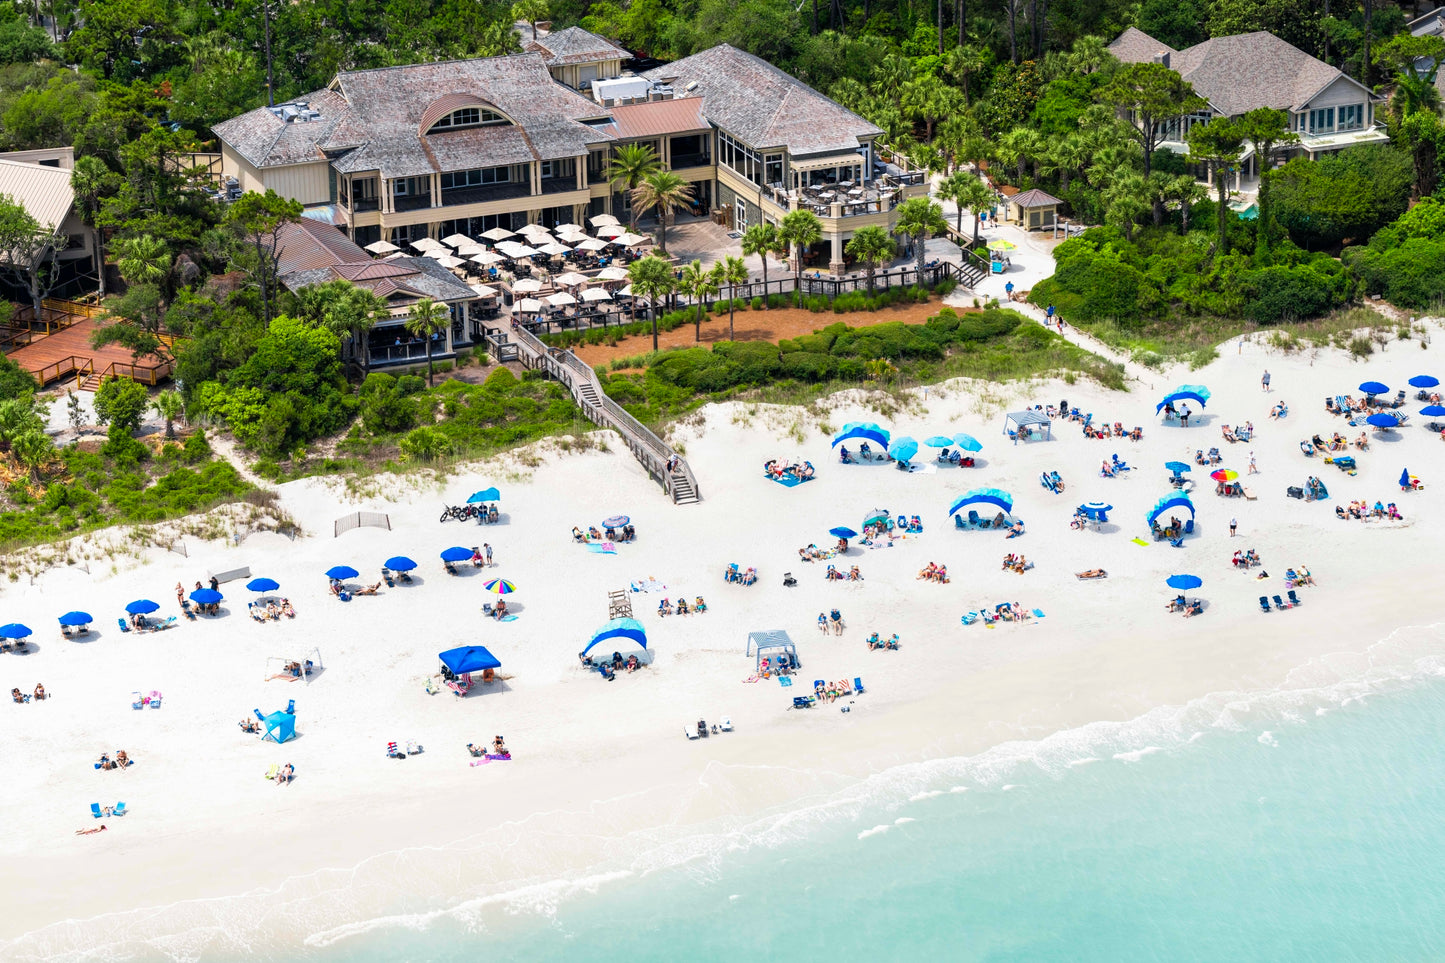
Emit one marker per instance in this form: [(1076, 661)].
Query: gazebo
[(1033, 210), (1024, 423)]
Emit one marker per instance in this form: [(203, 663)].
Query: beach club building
[(1327, 109), (462, 147)]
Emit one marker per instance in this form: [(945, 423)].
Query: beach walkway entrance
[(666, 466)]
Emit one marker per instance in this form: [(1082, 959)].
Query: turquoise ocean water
[(1299, 825)]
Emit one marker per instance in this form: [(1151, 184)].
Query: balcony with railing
[(680, 161), (363, 204), (484, 193), (559, 185), (412, 202)]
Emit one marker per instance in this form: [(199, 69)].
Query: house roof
[(44, 192), (575, 46), (657, 118), (1431, 24), (266, 140), (313, 253), (1034, 198), (1135, 46), (765, 107), (1239, 73)]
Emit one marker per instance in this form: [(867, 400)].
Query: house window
[(455, 179), (399, 188), (775, 169), (1322, 120), (1352, 117), (469, 117)]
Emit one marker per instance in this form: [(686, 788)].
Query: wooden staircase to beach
[(665, 466)]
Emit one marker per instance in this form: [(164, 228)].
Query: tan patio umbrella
[(567, 227), (529, 304), (448, 261), (596, 294), (437, 253), (630, 240), (382, 247), (601, 219), (571, 279), (611, 230), (456, 240), (487, 257), (612, 274), (498, 234), (625, 292), (560, 299), (526, 285), (592, 244), (426, 244), (470, 249), (555, 249), (485, 291)]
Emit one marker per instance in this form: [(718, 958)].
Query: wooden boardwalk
[(67, 353)]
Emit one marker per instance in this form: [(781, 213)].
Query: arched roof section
[(447, 104)]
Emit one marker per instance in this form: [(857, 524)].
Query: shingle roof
[(1135, 46), (1034, 198), (751, 99), (575, 46), (1239, 73), (44, 192), (313, 253), (265, 140), (658, 117), (309, 244)]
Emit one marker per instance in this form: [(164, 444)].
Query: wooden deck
[(67, 353)]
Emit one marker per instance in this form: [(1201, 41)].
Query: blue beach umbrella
[(967, 442), (485, 495), (1424, 381), (14, 631), (1177, 467), (341, 572), (629, 629), (456, 554), (862, 431), (903, 448), (1433, 411), (141, 607), (263, 585), (1184, 582), (983, 496), (1383, 420), (75, 618), (842, 531), (206, 596), (399, 563), (616, 521), (1374, 388), (1096, 509), (938, 441)]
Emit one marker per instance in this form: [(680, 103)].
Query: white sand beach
[(212, 857)]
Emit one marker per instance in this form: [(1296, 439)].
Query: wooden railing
[(581, 381), (152, 375), (65, 367)]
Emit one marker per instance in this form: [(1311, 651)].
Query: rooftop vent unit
[(296, 112), (691, 86)]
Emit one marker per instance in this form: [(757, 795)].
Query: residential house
[(311, 252), (429, 150), (39, 181), (1327, 109), (1431, 24)]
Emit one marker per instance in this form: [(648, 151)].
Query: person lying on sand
[(93, 829), (1092, 573), (369, 590), (250, 725)]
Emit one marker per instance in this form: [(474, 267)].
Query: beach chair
[(1279, 602), (1293, 598), (431, 686), (802, 702), (788, 580), (386, 577), (969, 618), (691, 733), (186, 609), (1189, 527), (958, 523), (271, 773), (858, 684), (1263, 604), (119, 809), (155, 700), (95, 810), (124, 626), (137, 701), (291, 707)]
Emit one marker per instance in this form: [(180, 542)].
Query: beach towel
[(602, 548), (751, 678), (1038, 613), (507, 618), (1139, 541), (789, 481), (784, 680)]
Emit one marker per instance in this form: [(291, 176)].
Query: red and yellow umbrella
[(1224, 475)]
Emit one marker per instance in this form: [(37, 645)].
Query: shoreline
[(600, 783)]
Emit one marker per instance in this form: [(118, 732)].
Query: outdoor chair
[(119, 809), (1278, 602), (95, 810), (858, 684), (1293, 598), (1263, 604)]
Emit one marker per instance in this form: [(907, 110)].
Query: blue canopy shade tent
[(141, 607), (456, 554), (75, 618), (262, 585), (772, 642), (862, 431), (206, 596), (399, 563), (485, 495), (469, 658), (280, 726), (1022, 421), (1374, 388), (14, 631), (1195, 393), (903, 448), (340, 572), (983, 496), (1383, 419), (1424, 381), (629, 629), (1098, 511), (1170, 502)]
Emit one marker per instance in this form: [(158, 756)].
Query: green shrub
[(1287, 294)]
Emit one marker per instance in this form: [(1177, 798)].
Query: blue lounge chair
[(1293, 598), (968, 618), (1189, 527), (291, 707), (1177, 542), (1263, 604), (958, 523), (817, 684), (124, 627), (119, 809), (858, 684), (95, 810), (802, 702), (1279, 603)]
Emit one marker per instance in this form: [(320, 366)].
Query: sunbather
[(1228, 433), (16, 695), (1105, 470), (250, 725), (93, 829), (1195, 608), (39, 692), (283, 776), (577, 535), (1092, 573), (833, 574), (104, 764), (1016, 529), (892, 643), (836, 619), (336, 588), (698, 605), (854, 575), (681, 606), (873, 642), (369, 590)]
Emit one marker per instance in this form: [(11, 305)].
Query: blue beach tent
[(469, 658), (1169, 503), (862, 431), (1195, 393), (984, 496), (629, 629), (280, 726)]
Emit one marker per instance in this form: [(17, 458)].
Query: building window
[(468, 117), (1322, 120), (1352, 117), (774, 165)]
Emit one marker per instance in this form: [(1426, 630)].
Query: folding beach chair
[(858, 684), (1279, 603), (95, 810), (1263, 604), (124, 626), (1293, 598), (119, 809)]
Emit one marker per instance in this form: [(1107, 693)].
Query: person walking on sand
[(1233, 526), (180, 594), (488, 549), (1264, 382), (1253, 469)]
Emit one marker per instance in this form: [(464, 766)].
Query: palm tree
[(962, 62), (921, 219), (91, 179), (33, 450), (978, 197), (762, 240), (1124, 201), (665, 191), (168, 405), (734, 272), (143, 259), (698, 284), (530, 11), (952, 188), (629, 165), (800, 230), (427, 317), (1188, 192), (873, 247), (1064, 157), (652, 279), (1021, 146)]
